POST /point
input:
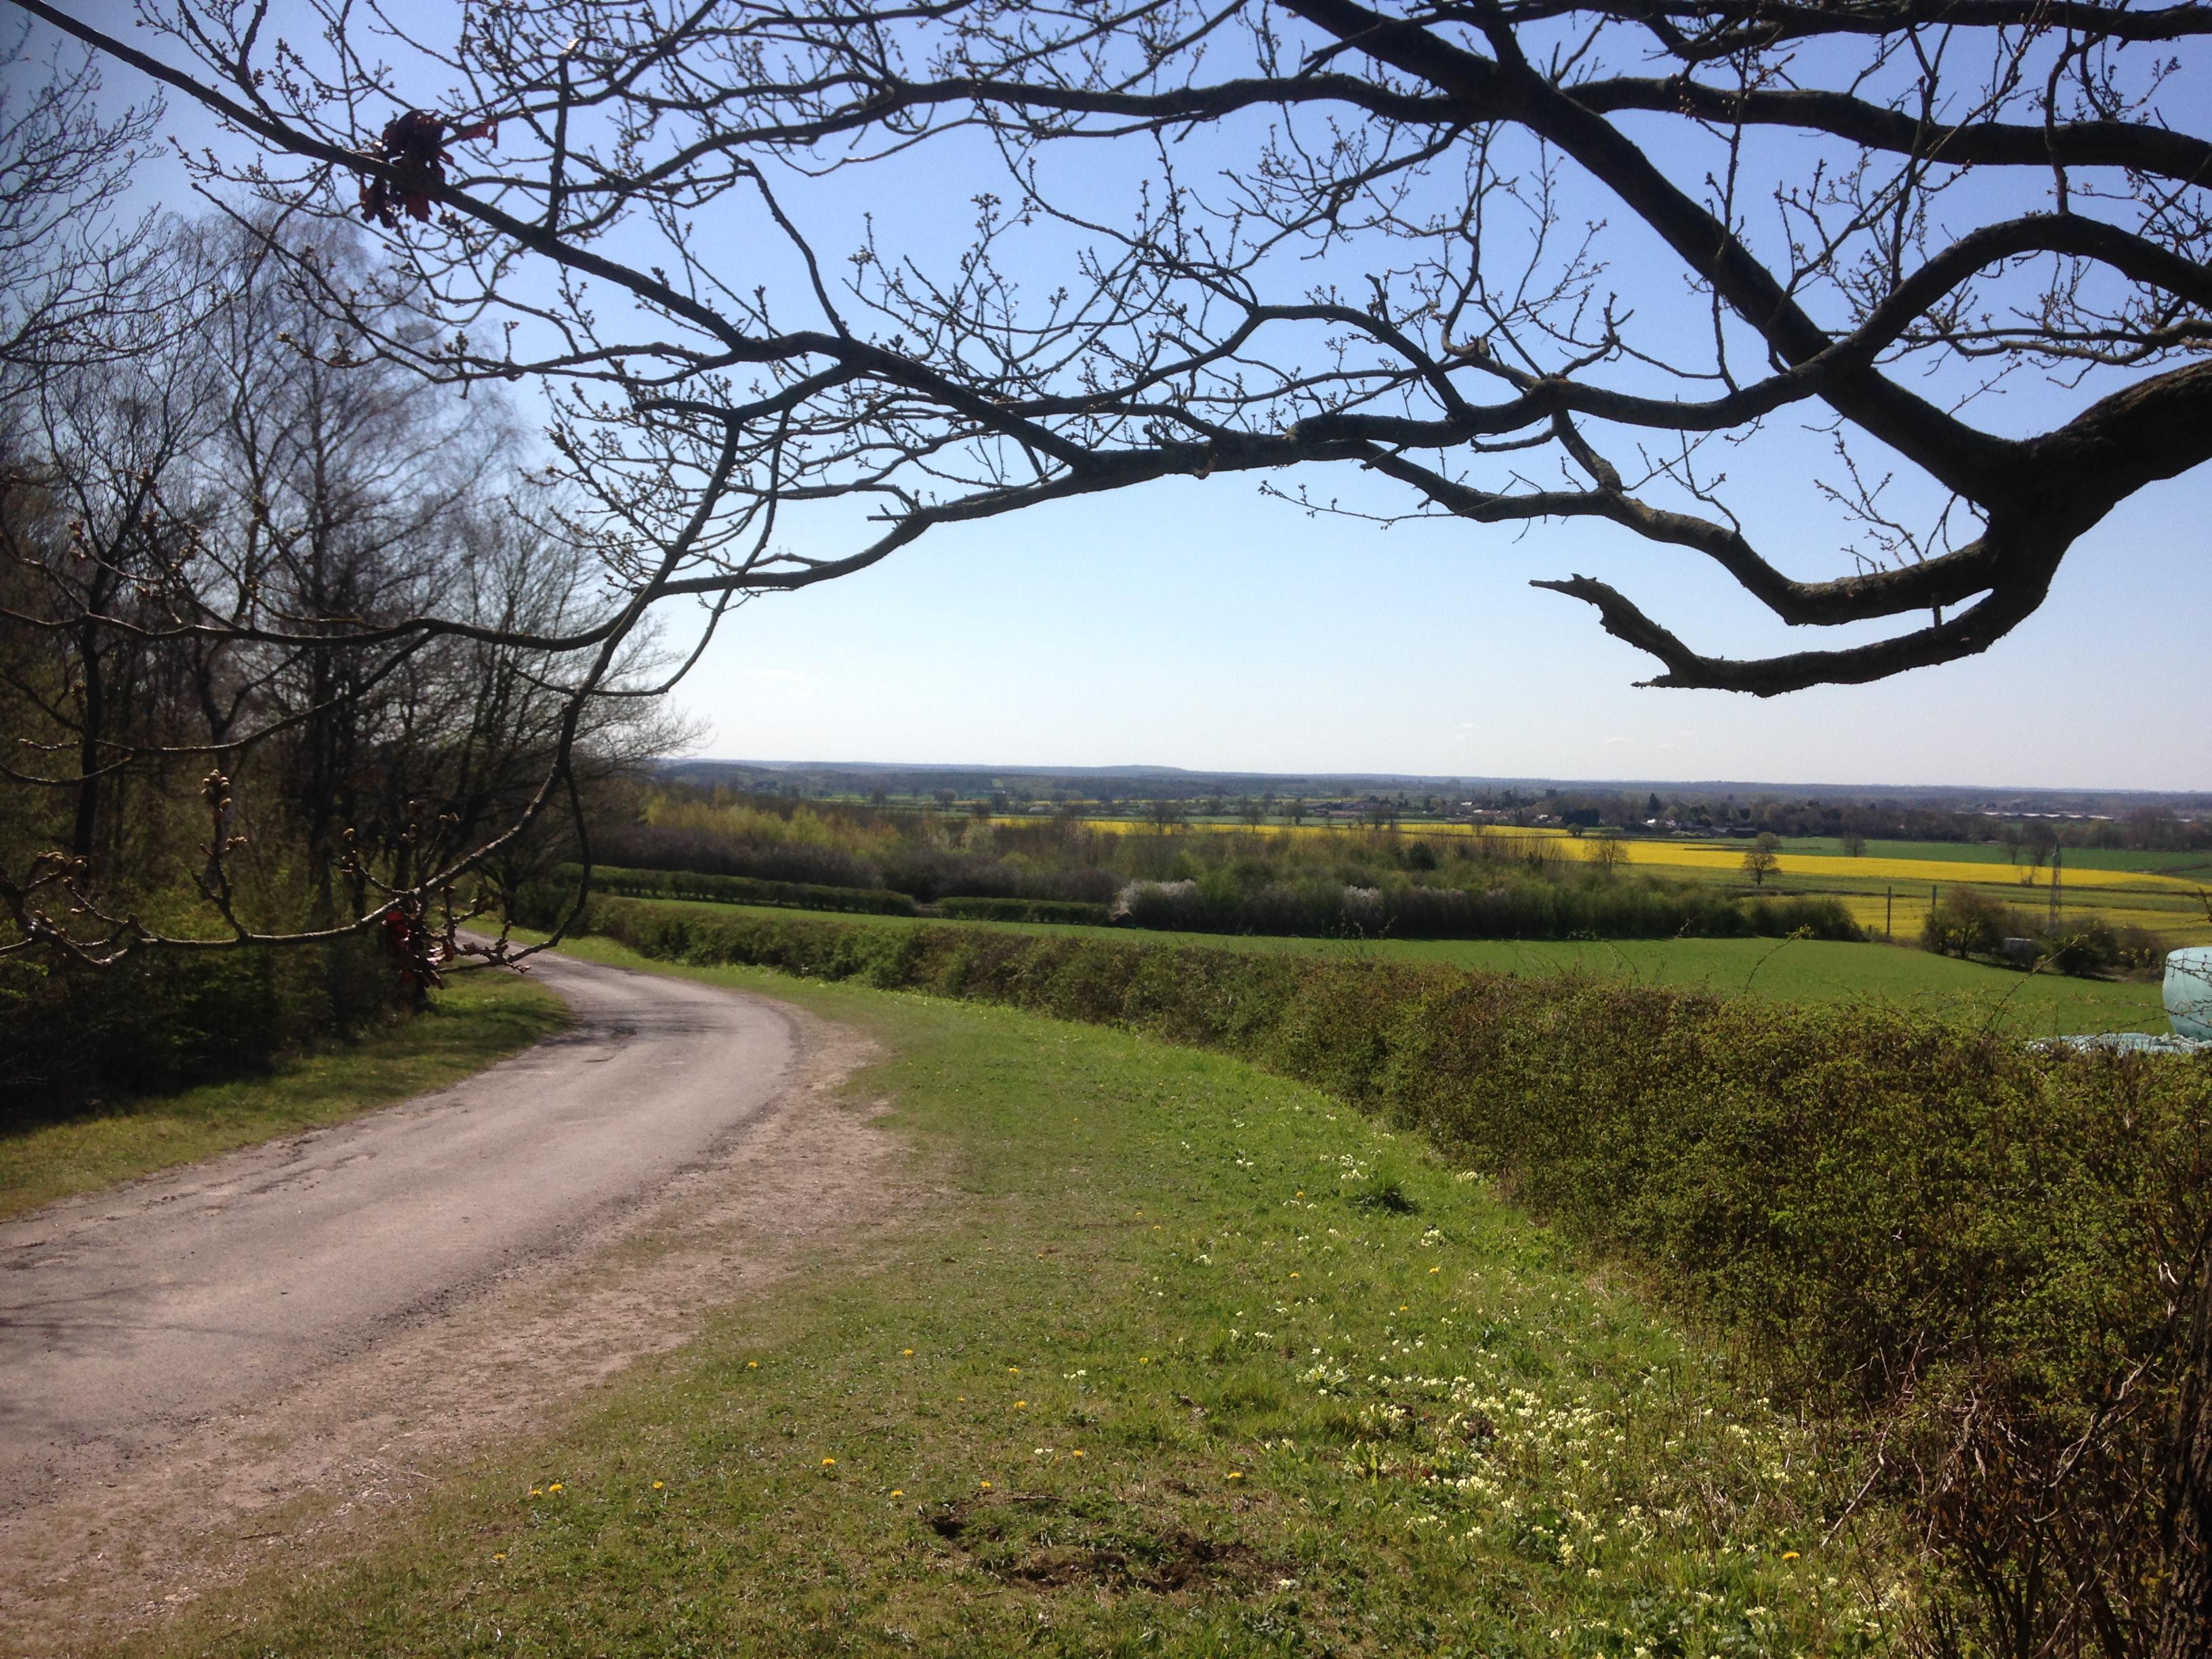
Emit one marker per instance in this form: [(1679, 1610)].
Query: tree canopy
[(1511, 261)]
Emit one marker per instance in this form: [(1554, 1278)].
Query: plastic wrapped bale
[(2188, 991)]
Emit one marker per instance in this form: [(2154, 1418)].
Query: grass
[(1788, 971), (1182, 1360), (478, 1019)]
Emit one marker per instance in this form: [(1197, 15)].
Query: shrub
[(723, 889), (1972, 1257), (70, 1036), (1026, 909), (1966, 922), (1516, 909)]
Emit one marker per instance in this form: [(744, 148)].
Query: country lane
[(128, 1315)]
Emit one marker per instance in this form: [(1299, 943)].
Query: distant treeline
[(1225, 900), (1972, 1261), (1355, 882)]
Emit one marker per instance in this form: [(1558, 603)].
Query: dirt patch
[(1015, 1538), (126, 1540)]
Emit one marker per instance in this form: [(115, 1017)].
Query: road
[(127, 1316)]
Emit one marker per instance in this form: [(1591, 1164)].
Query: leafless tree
[(70, 266), (1519, 259), (236, 506)]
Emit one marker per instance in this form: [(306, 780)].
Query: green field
[(1169, 1356), (1788, 971), (481, 1017)]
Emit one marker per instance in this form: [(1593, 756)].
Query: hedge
[(1518, 909), (1067, 911), (743, 889), (1973, 1261)]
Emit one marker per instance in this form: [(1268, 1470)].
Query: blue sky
[(1196, 624)]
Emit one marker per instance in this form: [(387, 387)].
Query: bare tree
[(236, 509), (68, 267), (1519, 259)]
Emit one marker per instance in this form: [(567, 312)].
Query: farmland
[(1887, 888)]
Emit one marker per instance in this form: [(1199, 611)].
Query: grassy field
[(1180, 1358), (1790, 970), (480, 1018)]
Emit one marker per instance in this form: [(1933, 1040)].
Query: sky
[(1194, 624)]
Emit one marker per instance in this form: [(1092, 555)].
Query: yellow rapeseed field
[(1726, 858)]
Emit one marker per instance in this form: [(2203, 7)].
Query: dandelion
[(1789, 1555), (1021, 1405), (1075, 1453), (501, 1556), (828, 1462), (1235, 1475), (658, 1484), (898, 1492), (1436, 1270), (534, 1492), (985, 1485), (752, 1364), (556, 1486), (908, 1352), (1294, 1275), (1013, 1370)]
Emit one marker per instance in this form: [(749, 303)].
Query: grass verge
[(479, 1019), (1182, 1358)]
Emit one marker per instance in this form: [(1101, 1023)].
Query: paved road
[(126, 1316)]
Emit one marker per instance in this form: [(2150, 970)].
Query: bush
[(725, 889), (1522, 909), (1967, 922), (1972, 1256), (1026, 909), (70, 1036)]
